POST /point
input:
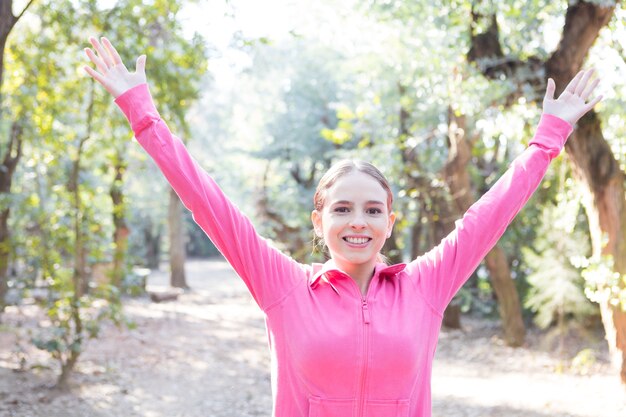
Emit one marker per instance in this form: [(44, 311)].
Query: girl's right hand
[(574, 101), (112, 73)]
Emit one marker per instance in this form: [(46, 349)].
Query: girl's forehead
[(356, 186)]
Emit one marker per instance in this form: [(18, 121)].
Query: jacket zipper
[(366, 321), (366, 311)]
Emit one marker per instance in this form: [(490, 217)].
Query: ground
[(206, 355)]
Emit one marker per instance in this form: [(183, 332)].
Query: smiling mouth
[(357, 240)]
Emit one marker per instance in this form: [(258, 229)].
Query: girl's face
[(355, 220)]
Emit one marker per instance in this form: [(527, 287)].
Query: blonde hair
[(342, 168)]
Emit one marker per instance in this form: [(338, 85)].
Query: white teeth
[(356, 240)]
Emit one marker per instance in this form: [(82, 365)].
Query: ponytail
[(380, 258)]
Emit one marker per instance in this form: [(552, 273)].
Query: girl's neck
[(361, 274)]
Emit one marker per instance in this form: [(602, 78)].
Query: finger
[(592, 103), (112, 51), (550, 90), (571, 87), (140, 67), (102, 67), (95, 74), (583, 82), (104, 55), (585, 94)]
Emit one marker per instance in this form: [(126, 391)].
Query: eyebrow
[(372, 202)]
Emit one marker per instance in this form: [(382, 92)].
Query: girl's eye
[(341, 209), (374, 211)]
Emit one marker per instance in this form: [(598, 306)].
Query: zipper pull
[(366, 312)]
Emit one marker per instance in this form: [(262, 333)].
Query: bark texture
[(120, 232), (152, 239), (177, 242)]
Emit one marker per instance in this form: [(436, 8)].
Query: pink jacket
[(334, 352)]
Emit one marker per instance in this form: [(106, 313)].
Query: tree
[(175, 70), (13, 152), (70, 224), (518, 67), (593, 161)]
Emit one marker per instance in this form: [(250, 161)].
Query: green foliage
[(63, 337), (556, 283), (73, 130), (584, 361), (602, 282)]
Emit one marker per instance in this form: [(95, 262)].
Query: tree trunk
[(4, 257), (459, 182), (509, 305), (593, 161), (177, 242), (13, 153), (120, 233), (7, 22), (595, 165), (452, 316), (7, 169), (68, 362), (80, 254), (80, 283), (443, 225), (603, 183), (79, 277), (153, 245)]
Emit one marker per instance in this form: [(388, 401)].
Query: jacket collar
[(329, 271)]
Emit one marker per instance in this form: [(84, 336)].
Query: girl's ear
[(316, 219), (392, 220)]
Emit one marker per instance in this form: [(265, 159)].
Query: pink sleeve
[(269, 274), (441, 272)]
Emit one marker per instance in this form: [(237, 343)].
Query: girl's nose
[(357, 222)]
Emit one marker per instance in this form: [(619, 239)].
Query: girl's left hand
[(572, 103), (112, 73)]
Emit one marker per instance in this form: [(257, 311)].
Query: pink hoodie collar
[(327, 271)]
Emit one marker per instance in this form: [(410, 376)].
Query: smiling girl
[(353, 337)]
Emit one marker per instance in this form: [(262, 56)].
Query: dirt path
[(206, 355)]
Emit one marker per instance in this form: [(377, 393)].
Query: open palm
[(572, 103), (111, 71)]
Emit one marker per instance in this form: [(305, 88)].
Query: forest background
[(441, 95)]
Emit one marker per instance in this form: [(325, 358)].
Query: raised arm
[(269, 274), (441, 272)]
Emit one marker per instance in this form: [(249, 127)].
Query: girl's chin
[(354, 260)]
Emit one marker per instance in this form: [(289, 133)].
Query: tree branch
[(486, 53), (583, 22), (16, 138), (24, 10)]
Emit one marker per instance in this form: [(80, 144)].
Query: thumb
[(141, 65), (550, 90)]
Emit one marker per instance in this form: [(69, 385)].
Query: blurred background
[(441, 95)]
